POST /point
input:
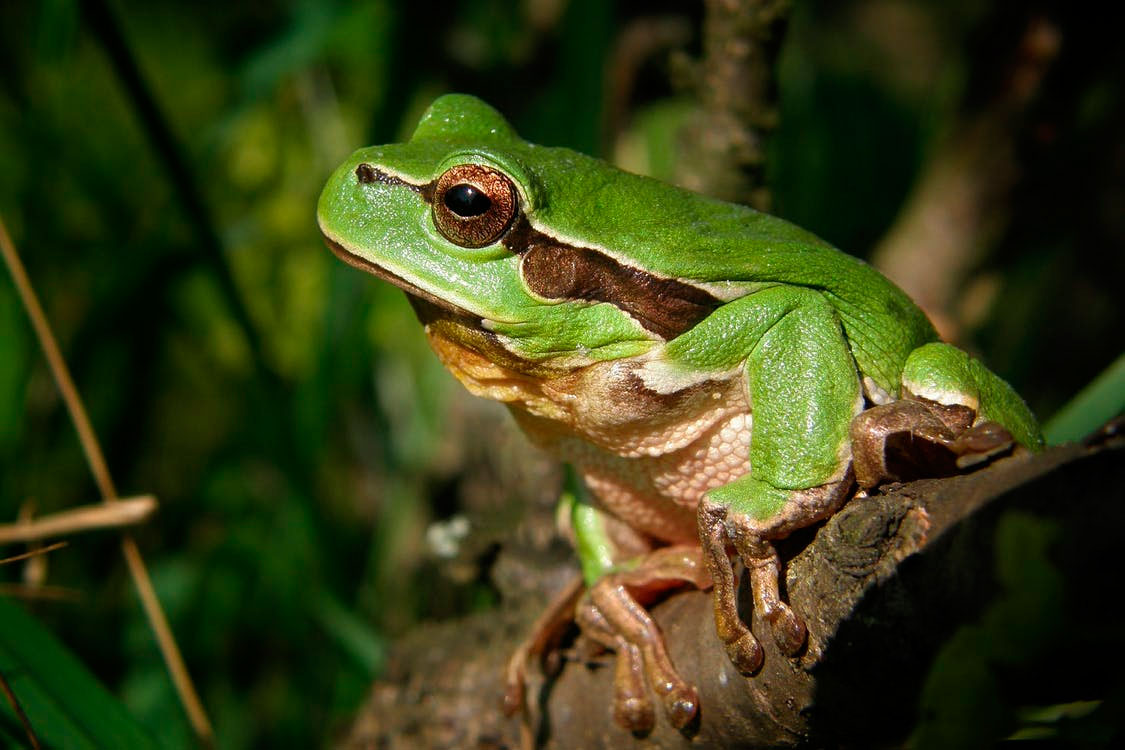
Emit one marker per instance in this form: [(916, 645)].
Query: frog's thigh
[(804, 391), (945, 374), (612, 615), (954, 413)]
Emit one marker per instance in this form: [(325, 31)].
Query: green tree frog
[(717, 377)]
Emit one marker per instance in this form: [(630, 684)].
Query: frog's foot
[(544, 635), (722, 527), (612, 614), (915, 438)]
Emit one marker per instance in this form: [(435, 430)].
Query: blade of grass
[(33, 553), (1102, 400), (32, 739), (173, 659), (107, 31), (65, 704)]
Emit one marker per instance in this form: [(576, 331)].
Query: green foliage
[(63, 702), (1098, 402), (1027, 636), (963, 700), (283, 407)]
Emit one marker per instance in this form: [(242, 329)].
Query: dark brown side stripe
[(664, 306), (560, 271), (557, 270)]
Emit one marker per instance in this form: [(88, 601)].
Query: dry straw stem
[(96, 460), (128, 511), (32, 553), (7, 690)]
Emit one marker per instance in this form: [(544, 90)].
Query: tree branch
[(883, 584), (724, 144)]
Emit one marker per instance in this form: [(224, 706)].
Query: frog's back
[(732, 250), (661, 230), (882, 324)]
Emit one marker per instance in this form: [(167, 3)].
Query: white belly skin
[(652, 458), (647, 457)]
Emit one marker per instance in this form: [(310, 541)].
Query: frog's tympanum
[(717, 377)]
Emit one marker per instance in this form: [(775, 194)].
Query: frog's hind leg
[(544, 635), (941, 374), (913, 438), (613, 615), (954, 413)]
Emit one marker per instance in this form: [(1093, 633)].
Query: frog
[(717, 378)]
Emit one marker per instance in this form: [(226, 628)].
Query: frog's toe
[(746, 654), (632, 707), (741, 646), (611, 615), (789, 631), (634, 713), (980, 443), (681, 705)]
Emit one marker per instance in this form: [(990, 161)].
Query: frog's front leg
[(721, 528), (804, 391)]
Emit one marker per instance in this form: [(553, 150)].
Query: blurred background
[(159, 169)]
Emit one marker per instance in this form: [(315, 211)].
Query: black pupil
[(466, 201)]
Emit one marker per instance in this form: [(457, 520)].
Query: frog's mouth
[(451, 323), (427, 306)]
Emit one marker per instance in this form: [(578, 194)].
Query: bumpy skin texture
[(701, 365)]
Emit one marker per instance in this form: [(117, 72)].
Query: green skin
[(814, 336)]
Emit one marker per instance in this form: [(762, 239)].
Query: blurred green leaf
[(353, 635), (1094, 405), (66, 705)]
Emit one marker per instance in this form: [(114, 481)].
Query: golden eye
[(474, 205)]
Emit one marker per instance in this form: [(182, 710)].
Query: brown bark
[(723, 145), (883, 584)]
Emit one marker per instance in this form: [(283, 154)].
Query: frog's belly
[(646, 454), (657, 494)]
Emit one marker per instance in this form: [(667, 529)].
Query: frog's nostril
[(365, 173)]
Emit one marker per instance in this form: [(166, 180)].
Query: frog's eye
[(474, 204)]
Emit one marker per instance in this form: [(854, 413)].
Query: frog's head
[(498, 240)]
